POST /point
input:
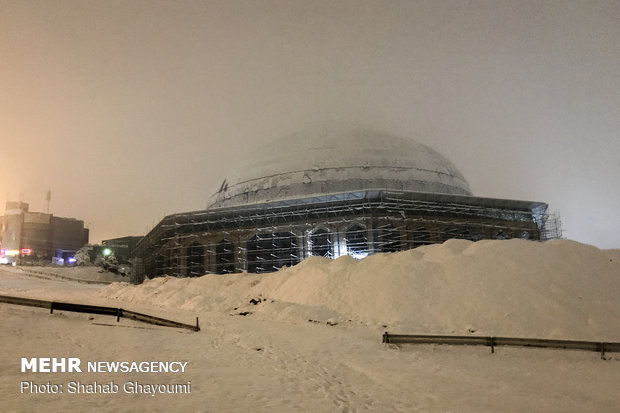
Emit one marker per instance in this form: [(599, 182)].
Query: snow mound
[(556, 289), (81, 273)]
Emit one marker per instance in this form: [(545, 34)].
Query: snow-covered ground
[(310, 339)]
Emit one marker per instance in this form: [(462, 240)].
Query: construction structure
[(331, 192)]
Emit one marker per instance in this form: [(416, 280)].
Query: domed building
[(337, 160), (329, 192)]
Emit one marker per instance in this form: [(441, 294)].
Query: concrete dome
[(333, 160)]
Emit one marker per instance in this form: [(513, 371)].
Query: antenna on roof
[(224, 186), (49, 198)]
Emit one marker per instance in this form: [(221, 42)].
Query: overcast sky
[(129, 110)]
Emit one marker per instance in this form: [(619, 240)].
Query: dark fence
[(601, 347), (94, 309)]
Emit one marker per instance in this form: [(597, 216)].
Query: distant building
[(122, 248), (332, 192), (36, 236)]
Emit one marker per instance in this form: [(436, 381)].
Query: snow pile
[(207, 293), (557, 289)]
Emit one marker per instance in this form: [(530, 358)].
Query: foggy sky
[(130, 110)]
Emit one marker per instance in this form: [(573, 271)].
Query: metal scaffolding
[(266, 237)]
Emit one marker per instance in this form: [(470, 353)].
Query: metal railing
[(492, 342), (94, 309)]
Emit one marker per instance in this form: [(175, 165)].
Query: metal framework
[(265, 237)]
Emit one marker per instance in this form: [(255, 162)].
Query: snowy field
[(309, 338)]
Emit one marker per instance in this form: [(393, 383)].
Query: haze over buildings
[(131, 111)]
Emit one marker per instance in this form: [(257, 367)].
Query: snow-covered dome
[(333, 160)]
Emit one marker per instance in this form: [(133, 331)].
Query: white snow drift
[(274, 360), (557, 289)]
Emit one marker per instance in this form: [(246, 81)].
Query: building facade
[(38, 237)]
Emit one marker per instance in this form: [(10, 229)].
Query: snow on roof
[(336, 159)]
